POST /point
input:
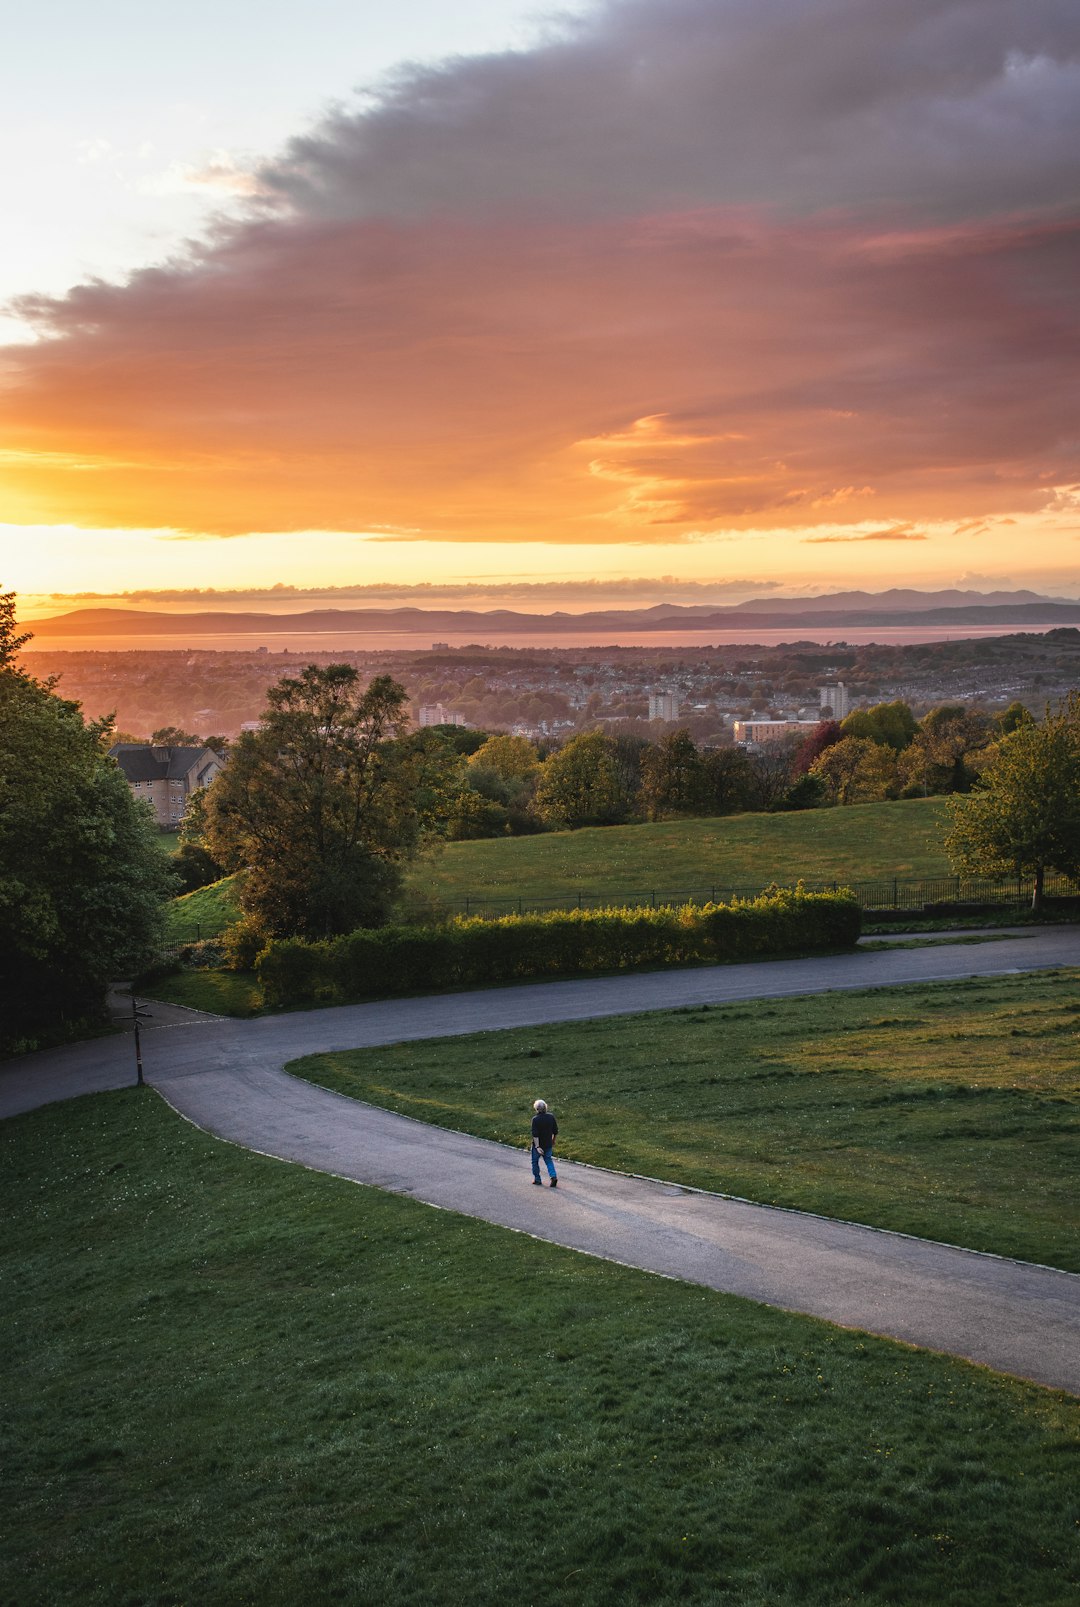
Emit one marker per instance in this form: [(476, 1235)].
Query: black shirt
[(544, 1128)]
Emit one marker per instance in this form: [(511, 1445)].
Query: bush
[(472, 951), (206, 954), (242, 943), (194, 867)]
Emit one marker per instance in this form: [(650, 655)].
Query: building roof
[(140, 762)]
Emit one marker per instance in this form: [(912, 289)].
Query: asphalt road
[(227, 1077)]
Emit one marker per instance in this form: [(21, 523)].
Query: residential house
[(166, 777)]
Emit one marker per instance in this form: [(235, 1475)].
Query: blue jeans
[(548, 1162)]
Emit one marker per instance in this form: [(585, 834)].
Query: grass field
[(950, 1111), (204, 913), (226, 993), (864, 841), (867, 840), (230, 1380)]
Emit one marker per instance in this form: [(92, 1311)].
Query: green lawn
[(204, 913), (226, 993), (670, 857), (950, 1111), (230, 1380), (864, 841)]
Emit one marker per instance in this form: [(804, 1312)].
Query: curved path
[(227, 1077)]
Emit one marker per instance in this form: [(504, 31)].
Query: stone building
[(166, 777)]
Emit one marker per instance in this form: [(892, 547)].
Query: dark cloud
[(944, 106)]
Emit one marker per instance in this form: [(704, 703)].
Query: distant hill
[(856, 608)]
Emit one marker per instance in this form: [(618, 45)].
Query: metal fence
[(884, 893)]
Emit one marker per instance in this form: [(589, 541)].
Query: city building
[(835, 701), (663, 706), (439, 714), (166, 777), (759, 731)]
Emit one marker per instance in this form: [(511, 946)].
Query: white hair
[(539, 1104)]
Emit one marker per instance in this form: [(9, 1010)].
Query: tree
[(729, 781), (824, 734), (83, 879), (1015, 715), (892, 725), (512, 758), (174, 736), (317, 806), (193, 864), (938, 759), (857, 770), (673, 778), (1023, 816), (628, 751), (10, 641), (771, 766), (579, 784)]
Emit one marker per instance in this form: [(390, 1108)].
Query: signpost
[(138, 1015)]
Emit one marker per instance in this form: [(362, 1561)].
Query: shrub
[(242, 943), (471, 951), (294, 972), (194, 867), (207, 954)]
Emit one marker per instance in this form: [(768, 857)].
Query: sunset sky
[(740, 292)]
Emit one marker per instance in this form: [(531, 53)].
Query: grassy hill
[(867, 840), (204, 913), (232, 1380), (669, 857)]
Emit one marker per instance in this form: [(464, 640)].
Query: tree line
[(321, 808)]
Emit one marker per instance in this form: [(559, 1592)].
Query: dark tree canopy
[(317, 807), (674, 780), (83, 878), (1023, 815)]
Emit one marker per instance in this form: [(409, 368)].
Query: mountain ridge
[(897, 607)]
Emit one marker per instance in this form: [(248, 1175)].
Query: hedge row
[(471, 951)]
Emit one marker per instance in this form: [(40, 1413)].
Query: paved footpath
[(227, 1077)]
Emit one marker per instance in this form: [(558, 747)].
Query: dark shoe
[(537, 1183), (554, 1182)]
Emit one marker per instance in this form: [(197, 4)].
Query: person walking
[(544, 1129)]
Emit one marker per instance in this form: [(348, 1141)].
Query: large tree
[(317, 807), (857, 770), (580, 786), (891, 725), (83, 878), (673, 778), (1023, 815)]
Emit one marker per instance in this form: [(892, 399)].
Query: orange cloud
[(550, 297), (489, 381)]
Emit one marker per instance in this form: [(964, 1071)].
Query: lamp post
[(138, 1015)]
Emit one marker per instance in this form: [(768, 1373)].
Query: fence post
[(895, 892)]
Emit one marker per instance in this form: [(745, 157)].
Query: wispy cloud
[(221, 174), (904, 534)]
